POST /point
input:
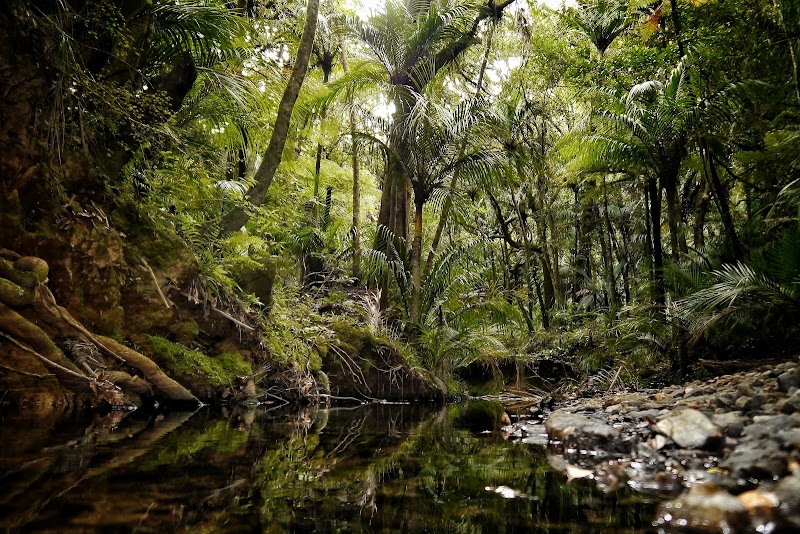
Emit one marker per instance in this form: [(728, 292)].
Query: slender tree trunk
[(700, 212), (448, 202), (670, 185), (658, 254), (583, 248), (356, 162), (558, 285), (676, 22), (608, 257), (624, 255), (721, 201), (792, 45), (416, 262), (531, 280), (237, 217)]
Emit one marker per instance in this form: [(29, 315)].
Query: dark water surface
[(389, 468)]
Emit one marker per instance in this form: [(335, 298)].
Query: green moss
[(219, 371)]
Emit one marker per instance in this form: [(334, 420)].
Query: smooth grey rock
[(757, 459), (788, 380), (789, 438), (691, 429), (766, 426), (743, 403), (788, 492), (792, 404), (725, 400), (731, 422)]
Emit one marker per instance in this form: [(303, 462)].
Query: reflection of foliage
[(434, 478), (185, 444)]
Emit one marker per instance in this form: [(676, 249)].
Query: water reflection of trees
[(376, 467)]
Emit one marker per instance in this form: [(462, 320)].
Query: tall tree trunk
[(624, 257), (670, 185), (792, 42), (676, 22), (237, 217), (356, 162), (700, 212), (658, 255), (608, 257), (448, 202), (531, 280), (416, 261), (721, 201), (558, 286), (583, 247)]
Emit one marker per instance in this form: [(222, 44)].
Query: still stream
[(375, 468)]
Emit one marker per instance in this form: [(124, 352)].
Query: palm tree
[(647, 133), (410, 43), (429, 152), (601, 21)]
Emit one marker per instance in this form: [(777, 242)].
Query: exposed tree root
[(149, 369), (22, 285)]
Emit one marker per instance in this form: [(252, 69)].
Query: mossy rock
[(204, 374), (256, 277), (361, 364)]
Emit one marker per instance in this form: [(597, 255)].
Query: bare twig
[(224, 314), (146, 266)]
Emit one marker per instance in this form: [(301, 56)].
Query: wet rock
[(788, 493), (725, 400), (641, 415), (766, 426), (792, 404), (691, 429), (732, 423), (790, 438), (704, 508), (582, 433), (788, 380), (761, 460), (527, 432), (744, 403)]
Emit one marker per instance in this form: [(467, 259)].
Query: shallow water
[(390, 468)]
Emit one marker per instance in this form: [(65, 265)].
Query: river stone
[(792, 404), (691, 429), (582, 433), (788, 492), (725, 400), (757, 459), (744, 402), (788, 380), (789, 438), (704, 508), (766, 426)]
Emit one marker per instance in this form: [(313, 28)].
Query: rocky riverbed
[(724, 453)]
